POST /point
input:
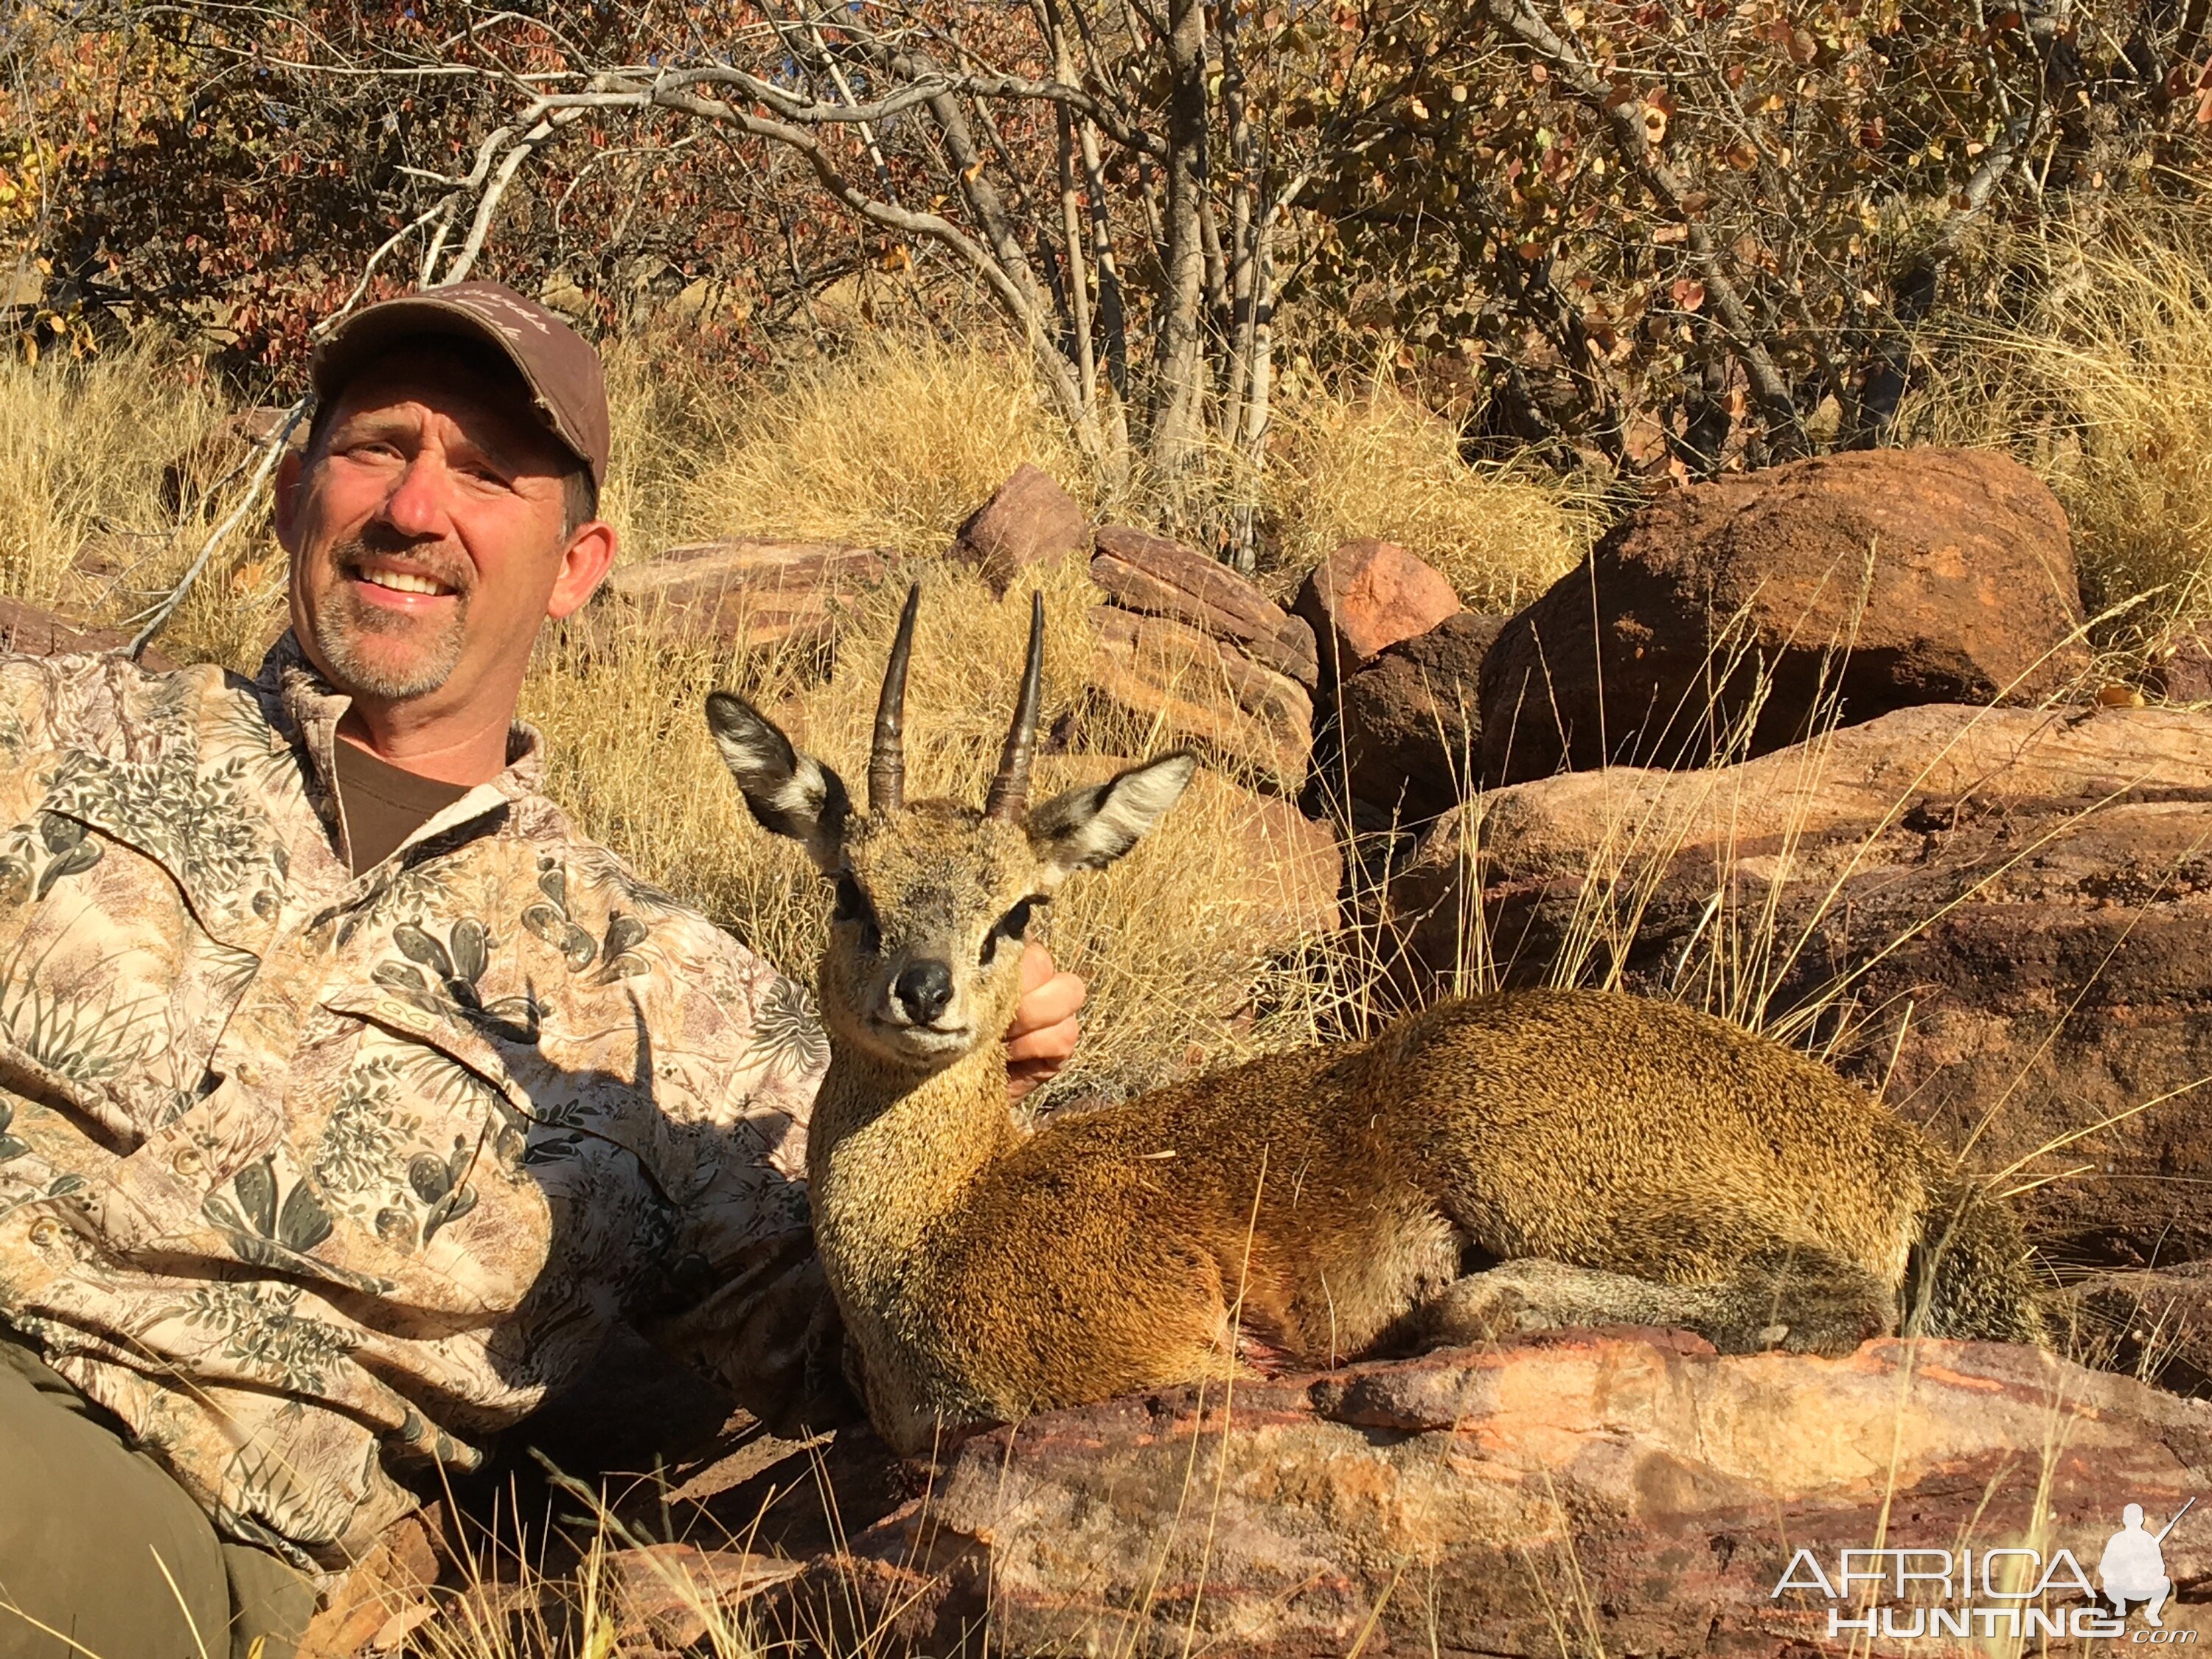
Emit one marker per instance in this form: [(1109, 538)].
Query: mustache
[(349, 557)]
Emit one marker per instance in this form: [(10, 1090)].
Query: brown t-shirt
[(383, 805)]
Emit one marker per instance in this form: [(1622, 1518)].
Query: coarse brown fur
[(1486, 1165)]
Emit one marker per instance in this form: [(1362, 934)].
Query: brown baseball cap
[(566, 385)]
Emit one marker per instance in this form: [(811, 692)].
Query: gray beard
[(340, 624)]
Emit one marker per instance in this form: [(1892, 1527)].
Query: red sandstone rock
[(1173, 678), (1902, 576), (1632, 1488), (1410, 724), (2181, 671), (1365, 598), (1028, 520), (1156, 577), (31, 630), (751, 592)]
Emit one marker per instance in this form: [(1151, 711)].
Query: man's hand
[(1045, 1030)]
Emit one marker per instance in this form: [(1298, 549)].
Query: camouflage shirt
[(316, 1181)]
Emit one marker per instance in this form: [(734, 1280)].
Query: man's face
[(427, 538)]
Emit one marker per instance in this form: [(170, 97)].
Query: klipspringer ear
[(791, 793), (1088, 828)]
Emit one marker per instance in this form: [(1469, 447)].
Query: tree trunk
[(1175, 437)]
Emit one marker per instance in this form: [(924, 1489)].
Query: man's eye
[(1011, 925)]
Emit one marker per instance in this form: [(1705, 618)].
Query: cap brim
[(354, 346)]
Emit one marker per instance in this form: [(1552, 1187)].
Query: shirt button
[(188, 1162), (44, 1231)]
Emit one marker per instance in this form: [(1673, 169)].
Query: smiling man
[(349, 1096)]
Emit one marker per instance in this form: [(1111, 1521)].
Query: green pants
[(87, 1527)]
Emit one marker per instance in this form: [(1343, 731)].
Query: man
[(348, 1097)]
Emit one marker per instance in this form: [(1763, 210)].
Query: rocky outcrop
[(1153, 576), (1828, 591), (2005, 914), (749, 593), (1630, 1489), (1365, 598), (1409, 723), (1029, 521), (1152, 673), (1189, 647)]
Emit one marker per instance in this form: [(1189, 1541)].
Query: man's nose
[(417, 506), (922, 989)]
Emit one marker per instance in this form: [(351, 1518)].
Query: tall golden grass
[(2103, 384), (1371, 461)]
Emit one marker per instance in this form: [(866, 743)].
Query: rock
[(387, 1592), (673, 1596), (1156, 577), (1943, 575), (2006, 914), (749, 593), (2155, 1323), (1292, 868), (1172, 677), (2181, 669), (1409, 724), (224, 452), (31, 630), (1028, 520), (1365, 598), (1633, 1487)]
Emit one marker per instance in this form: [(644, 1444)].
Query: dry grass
[(2105, 388), (1377, 463), (891, 444)]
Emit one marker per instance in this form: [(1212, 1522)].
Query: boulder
[(1409, 723), (1028, 520), (1293, 869), (1755, 610), (32, 630), (2002, 915), (1170, 676), (2152, 1323), (2181, 667), (1153, 576), (749, 593), (1365, 598), (1632, 1488)]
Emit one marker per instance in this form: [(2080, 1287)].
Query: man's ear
[(1088, 828), (791, 793), (584, 565), (290, 469)]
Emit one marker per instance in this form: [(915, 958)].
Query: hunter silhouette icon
[(2133, 1566)]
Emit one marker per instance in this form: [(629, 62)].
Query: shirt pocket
[(112, 994), (409, 1132)]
